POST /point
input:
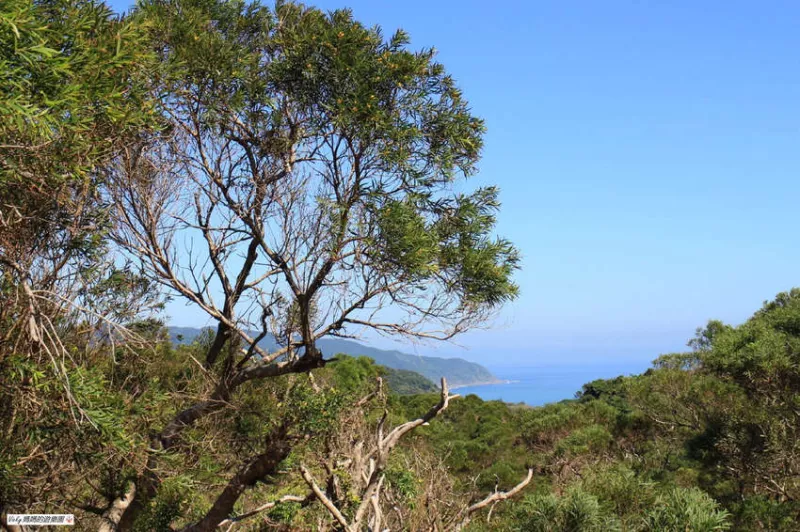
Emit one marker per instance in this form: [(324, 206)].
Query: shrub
[(576, 511), (682, 509)]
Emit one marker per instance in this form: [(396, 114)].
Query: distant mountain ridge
[(457, 371)]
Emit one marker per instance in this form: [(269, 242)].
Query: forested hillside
[(705, 440), (457, 371)]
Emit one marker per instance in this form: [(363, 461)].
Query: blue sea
[(539, 385)]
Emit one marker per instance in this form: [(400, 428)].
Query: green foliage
[(593, 438), (376, 88), (169, 503), (29, 66), (703, 441), (409, 243), (106, 411), (69, 68), (284, 512), (404, 482), (72, 94), (620, 489), (764, 513), (353, 374), (761, 355), (576, 511), (611, 391), (456, 242), (482, 266), (406, 382), (313, 412), (686, 509)]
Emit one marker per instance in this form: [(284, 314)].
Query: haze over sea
[(548, 382)]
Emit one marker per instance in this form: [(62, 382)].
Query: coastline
[(481, 383)]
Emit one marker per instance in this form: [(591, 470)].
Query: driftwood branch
[(387, 443)]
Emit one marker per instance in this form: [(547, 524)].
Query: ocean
[(539, 385)]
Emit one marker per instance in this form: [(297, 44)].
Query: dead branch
[(113, 514), (326, 502), (370, 467), (492, 499), (265, 507)]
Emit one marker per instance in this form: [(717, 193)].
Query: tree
[(734, 400), (71, 93), (304, 189), (757, 437)]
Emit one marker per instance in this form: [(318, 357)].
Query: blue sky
[(648, 155)]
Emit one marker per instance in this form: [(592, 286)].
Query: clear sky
[(648, 155)]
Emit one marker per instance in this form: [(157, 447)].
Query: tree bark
[(258, 468), (112, 516)]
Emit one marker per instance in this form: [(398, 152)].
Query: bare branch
[(112, 516), (492, 499), (398, 432), (370, 468), (264, 507), (326, 502)]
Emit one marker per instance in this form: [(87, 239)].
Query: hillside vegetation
[(457, 371), (705, 440), (294, 177), (405, 382)]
